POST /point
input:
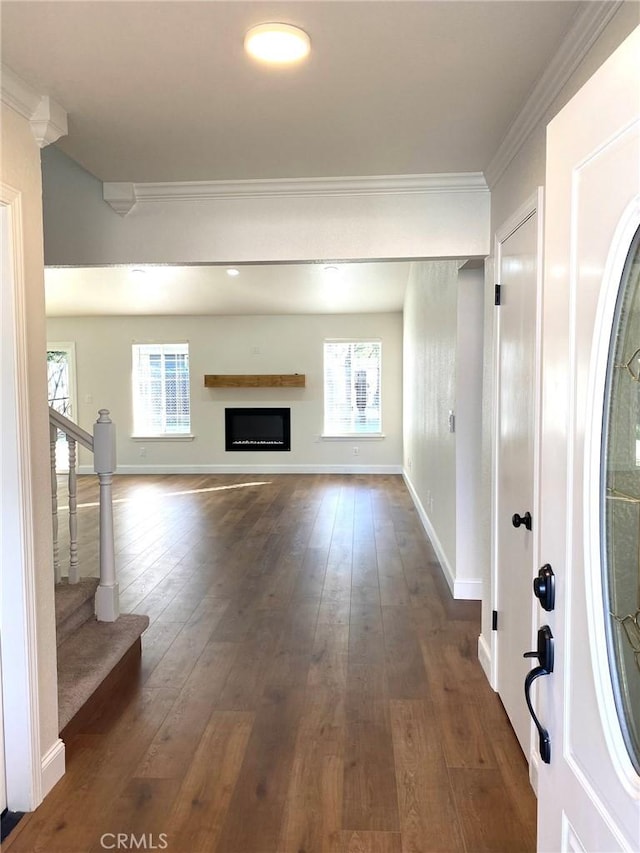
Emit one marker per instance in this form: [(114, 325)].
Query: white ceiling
[(162, 91), (258, 289)]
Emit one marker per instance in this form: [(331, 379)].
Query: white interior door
[(517, 263), (589, 793)]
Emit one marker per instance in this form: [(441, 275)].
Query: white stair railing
[(103, 446), (53, 440)]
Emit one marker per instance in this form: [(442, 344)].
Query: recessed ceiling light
[(138, 272), (277, 43), (232, 271), (331, 270)]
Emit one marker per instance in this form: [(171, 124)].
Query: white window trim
[(162, 436), (350, 436)]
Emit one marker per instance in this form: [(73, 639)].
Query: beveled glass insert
[(621, 503)]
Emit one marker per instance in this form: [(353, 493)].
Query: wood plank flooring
[(307, 683)]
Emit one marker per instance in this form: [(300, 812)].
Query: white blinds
[(352, 387), (161, 389)]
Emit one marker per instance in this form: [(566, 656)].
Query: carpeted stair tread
[(87, 657), (75, 604), (71, 596)]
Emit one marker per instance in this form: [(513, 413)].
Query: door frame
[(24, 767), (532, 206)]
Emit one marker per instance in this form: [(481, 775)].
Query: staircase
[(98, 648)]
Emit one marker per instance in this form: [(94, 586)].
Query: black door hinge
[(494, 620), (497, 295)]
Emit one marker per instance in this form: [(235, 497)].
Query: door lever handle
[(518, 520), (544, 741), (544, 654)]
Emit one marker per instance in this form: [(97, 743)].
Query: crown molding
[(123, 196), (48, 122), (47, 118), (120, 195), (585, 29), (15, 93)]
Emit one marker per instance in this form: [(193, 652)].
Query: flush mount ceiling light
[(233, 272), (277, 44)]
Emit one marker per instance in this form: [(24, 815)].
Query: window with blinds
[(161, 404), (352, 387)]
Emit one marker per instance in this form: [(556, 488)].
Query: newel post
[(104, 464)]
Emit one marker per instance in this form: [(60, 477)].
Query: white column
[(53, 438), (74, 574), (104, 462)]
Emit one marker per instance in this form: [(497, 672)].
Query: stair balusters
[(103, 446), (74, 572), (53, 438)]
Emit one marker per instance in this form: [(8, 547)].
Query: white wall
[(286, 344), (430, 335), (81, 229), (519, 181), (21, 170), (443, 331), (469, 494)]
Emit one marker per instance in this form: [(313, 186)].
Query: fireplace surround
[(257, 429)]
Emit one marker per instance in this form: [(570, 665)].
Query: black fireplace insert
[(257, 429)]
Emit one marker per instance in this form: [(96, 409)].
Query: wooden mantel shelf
[(254, 380)]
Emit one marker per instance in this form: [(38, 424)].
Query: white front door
[(517, 265), (589, 793)]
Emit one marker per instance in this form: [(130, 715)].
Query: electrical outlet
[(356, 451), (143, 451), (409, 463)]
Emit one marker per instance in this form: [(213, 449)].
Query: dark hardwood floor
[(307, 684)]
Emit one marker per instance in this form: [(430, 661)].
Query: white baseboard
[(52, 766), (464, 588), (250, 469), (468, 588), (485, 658), (431, 533)]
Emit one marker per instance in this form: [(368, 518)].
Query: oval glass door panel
[(621, 503)]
